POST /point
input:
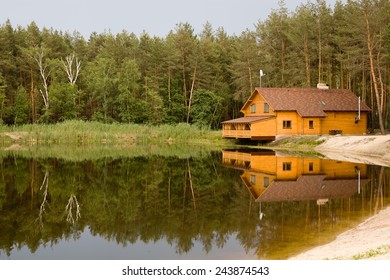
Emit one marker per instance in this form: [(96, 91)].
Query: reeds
[(81, 132)]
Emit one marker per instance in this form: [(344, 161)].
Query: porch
[(248, 128)]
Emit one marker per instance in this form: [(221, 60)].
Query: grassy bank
[(296, 143), (77, 153), (80, 132)]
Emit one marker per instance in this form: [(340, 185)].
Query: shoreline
[(368, 149), (369, 240)]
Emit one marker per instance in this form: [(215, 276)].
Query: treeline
[(48, 76)]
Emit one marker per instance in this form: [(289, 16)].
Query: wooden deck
[(245, 134), (236, 133)]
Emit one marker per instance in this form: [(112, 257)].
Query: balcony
[(232, 133)]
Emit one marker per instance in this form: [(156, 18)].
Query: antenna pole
[(261, 74), (260, 77), (359, 109)]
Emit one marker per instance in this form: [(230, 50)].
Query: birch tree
[(72, 66), (72, 204), (44, 73), (42, 208)]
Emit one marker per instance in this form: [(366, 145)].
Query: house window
[(287, 124), (266, 182), (311, 124), (266, 108), (311, 166), (253, 108), (286, 166), (253, 179)]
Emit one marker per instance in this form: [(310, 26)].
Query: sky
[(156, 17)]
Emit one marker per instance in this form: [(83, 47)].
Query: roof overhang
[(248, 120)]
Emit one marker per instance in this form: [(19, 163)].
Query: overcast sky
[(153, 16)]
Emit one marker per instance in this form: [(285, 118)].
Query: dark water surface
[(231, 204)]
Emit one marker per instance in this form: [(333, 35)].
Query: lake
[(184, 203)]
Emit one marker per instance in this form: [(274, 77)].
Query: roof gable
[(309, 102)]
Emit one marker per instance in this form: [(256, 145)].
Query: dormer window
[(266, 108), (253, 179), (253, 108)]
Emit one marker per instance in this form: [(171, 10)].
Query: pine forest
[(49, 76)]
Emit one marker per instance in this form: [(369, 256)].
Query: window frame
[(266, 182), (266, 107), (253, 179), (287, 124), (253, 108), (311, 124), (287, 166)]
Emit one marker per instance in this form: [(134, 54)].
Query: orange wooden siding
[(297, 119), (258, 101), (259, 171), (264, 128), (257, 182), (344, 121)]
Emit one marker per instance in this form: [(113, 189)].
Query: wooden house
[(270, 112), (270, 177)]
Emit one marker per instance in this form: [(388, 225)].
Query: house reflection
[(270, 176)]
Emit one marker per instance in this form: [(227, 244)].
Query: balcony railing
[(233, 155), (236, 133)]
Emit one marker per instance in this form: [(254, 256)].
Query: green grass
[(299, 142), (381, 250), (81, 132)]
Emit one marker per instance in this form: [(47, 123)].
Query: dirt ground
[(370, 239)]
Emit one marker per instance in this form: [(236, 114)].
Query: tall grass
[(95, 132)]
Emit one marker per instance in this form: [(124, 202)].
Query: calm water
[(231, 204)]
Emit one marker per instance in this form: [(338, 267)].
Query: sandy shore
[(369, 149), (369, 240)]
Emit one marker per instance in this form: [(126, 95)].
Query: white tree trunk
[(45, 75), (72, 72)]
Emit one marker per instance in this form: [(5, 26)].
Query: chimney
[(322, 86)]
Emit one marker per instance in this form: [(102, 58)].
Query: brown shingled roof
[(310, 102), (310, 187)]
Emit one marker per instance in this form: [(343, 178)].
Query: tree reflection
[(181, 200), (72, 203), (42, 209)]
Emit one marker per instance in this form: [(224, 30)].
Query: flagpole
[(260, 77), (261, 74)]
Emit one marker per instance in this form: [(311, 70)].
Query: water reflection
[(201, 206), (271, 178), (304, 201)]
